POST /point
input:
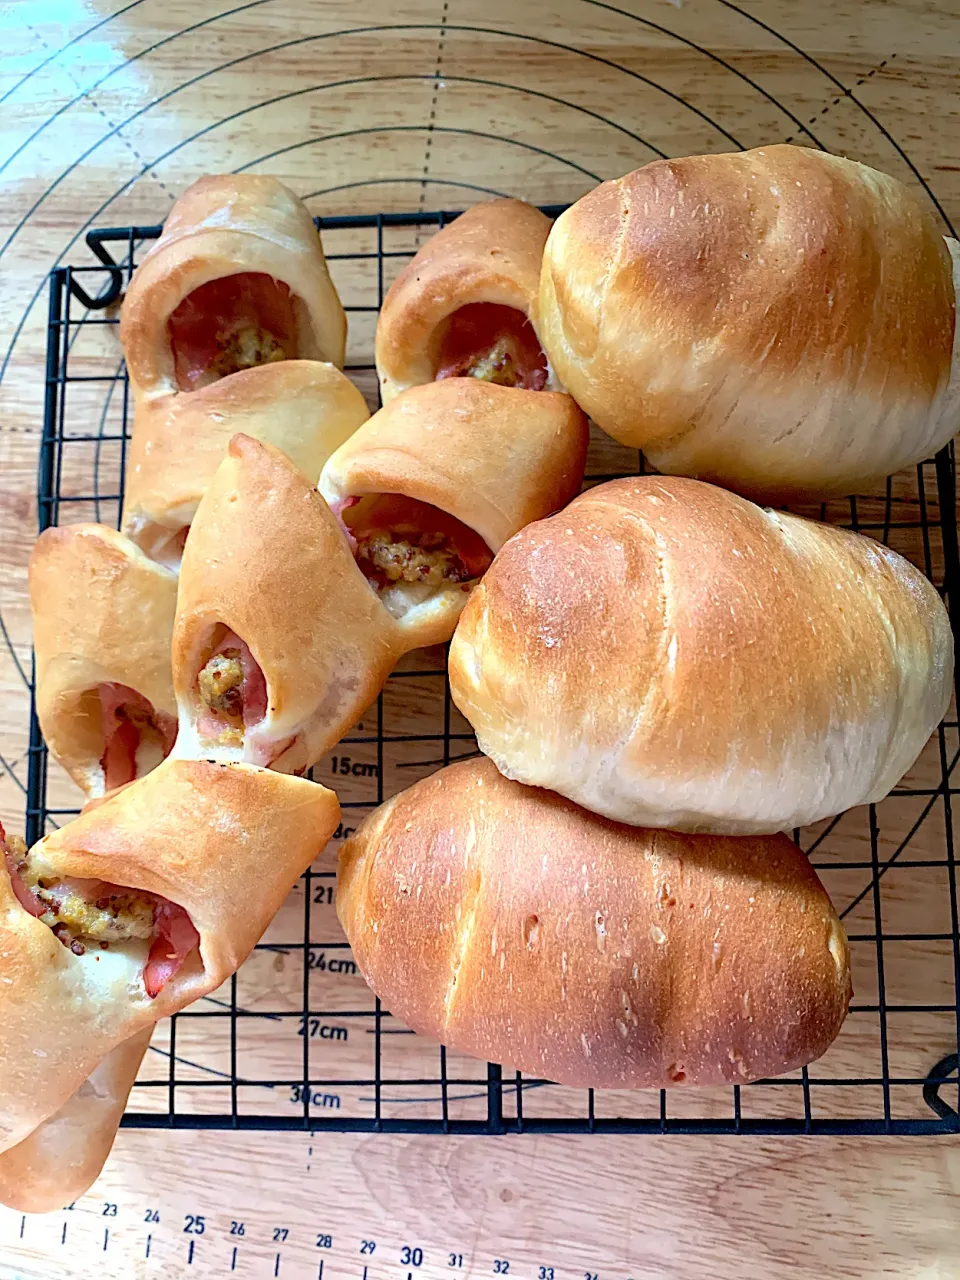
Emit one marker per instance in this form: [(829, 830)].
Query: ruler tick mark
[(63, 1234), (190, 1252), (106, 1238), (320, 1272), (146, 1253), (276, 1265), (233, 1260), (23, 1223)]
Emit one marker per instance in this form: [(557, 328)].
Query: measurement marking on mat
[(276, 1266), (320, 1271), (345, 766), (146, 1252), (106, 1238), (315, 1098), (318, 1030), (233, 1260), (63, 1234), (322, 963), (193, 1244), (23, 1223)]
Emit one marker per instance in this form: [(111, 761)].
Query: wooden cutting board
[(112, 110)]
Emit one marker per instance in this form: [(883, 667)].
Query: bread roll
[(493, 458), (192, 862), (779, 321), (237, 279), (510, 924), (280, 644), (102, 627), (670, 655), (64, 1155), (305, 408), (462, 307)]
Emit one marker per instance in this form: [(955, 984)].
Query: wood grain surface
[(108, 111)]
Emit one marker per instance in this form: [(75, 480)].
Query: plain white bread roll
[(513, 925), (668, 654), (778, 321)]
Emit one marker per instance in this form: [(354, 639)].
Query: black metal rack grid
[(82, 296)]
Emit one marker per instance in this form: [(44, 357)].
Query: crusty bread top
[(491, 253), (223, 225), (493, 457), (303, 407), (780, 319), (669, 654), (511, 924)]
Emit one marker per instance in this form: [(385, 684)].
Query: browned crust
[(491, 253), (778, 320), (102, 613), (512, 925), (303, 407), (493, 457), (267, 558), (669, 654), (222, 225), (225, 842), (64, 1155)]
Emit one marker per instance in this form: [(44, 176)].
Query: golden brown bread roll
[(670, 655), (237, 279), (510, 924), (303, 407), (779, 321), (280, 644), (492, 458), (462, 307), (179, 874), (64, 1155), (102, 627)]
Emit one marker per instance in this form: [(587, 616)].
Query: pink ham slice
[(124, 714), (176, 938), (207, 328), (475, 330)]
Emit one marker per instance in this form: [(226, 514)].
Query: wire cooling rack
[(296, 1041)]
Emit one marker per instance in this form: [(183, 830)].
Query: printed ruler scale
[(249, 1235)]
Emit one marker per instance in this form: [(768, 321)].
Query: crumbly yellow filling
[(430, 563)]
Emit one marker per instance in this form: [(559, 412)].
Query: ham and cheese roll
[(63, 1157), (280, 644), (102, 625), (304, 407), (434, 484), (144, 903), (463, 306), (237, 279)]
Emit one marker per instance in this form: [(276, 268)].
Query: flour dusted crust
[(509, 924), (779, 321), (668, 654)]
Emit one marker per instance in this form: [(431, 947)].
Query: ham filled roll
[(238, 279), (430, 489), (305, 408), (102, 623), (462, 308), (144, 903)]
